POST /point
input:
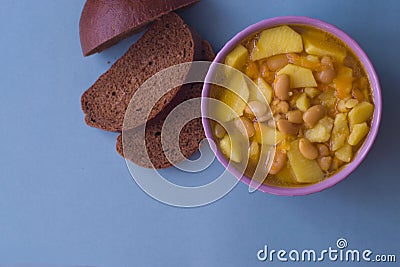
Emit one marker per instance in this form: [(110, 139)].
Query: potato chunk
[(278, 40), (285, 175), (340, 132), (265, 135), (312, 91), (231, 108), (225, 145), (232, 147), (262, 93), (361, 113), (299, 76), (321, 132), (316, 44), (303, 102), (345, 153), (235, 98), (358, 133), (238, 57), (304, 170)]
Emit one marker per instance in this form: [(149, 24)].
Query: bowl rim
[(372, 76)]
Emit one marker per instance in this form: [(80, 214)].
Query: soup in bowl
[(307, 110)]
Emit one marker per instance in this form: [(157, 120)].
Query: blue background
[(67, 198)]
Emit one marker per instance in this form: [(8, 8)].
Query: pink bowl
[(268, 23)]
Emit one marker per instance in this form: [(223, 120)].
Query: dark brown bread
[(104, 23), (167, 43), (189, 138), (207, 52)]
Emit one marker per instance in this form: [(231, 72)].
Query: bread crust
[(104, 23)]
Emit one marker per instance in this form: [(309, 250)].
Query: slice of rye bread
[(189, 138), (104, 23), (168, 42)]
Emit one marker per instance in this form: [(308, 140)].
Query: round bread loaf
[(104, 23)]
